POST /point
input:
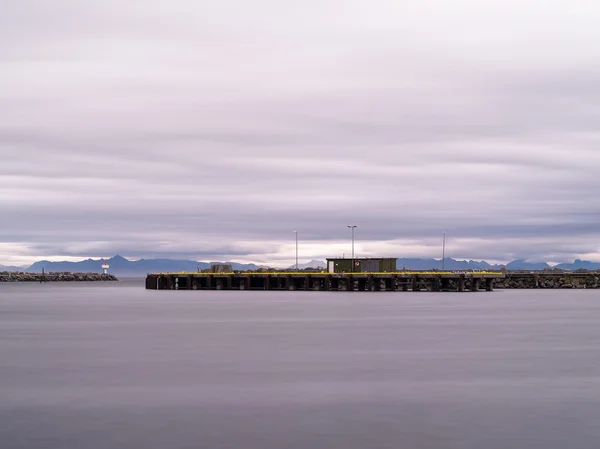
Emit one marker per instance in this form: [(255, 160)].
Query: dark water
[(102, 366)]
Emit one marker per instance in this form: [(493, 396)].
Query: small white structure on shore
[(105, 268)]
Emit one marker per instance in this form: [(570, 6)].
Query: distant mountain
[(12, 268), (515, 265), (449, 264), (579, 265), (311, 264), (85, 266), (521, 264), (119, 266)]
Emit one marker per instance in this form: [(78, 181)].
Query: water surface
[(112, 365)]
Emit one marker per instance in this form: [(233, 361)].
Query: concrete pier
[(291, 281)]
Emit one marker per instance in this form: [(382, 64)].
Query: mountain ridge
[(12, 268), (120, 266), (311, 264)]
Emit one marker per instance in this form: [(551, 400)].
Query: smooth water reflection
[(115, 366)]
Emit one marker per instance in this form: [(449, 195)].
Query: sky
[(213, 130)]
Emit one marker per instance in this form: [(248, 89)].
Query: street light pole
[(296, 232), (352, 227), (443, 251)]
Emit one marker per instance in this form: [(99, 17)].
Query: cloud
[(211, 131)]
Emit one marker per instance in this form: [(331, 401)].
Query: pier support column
[(415, 284), (245, 283), (394, 284), (370, 284), (230, 282), (475, 285), (445, 284), (362, 284), (461, 283), (387, 285), (489, 285), (349, 284), (435, 284), (267, 282), (307, 283)]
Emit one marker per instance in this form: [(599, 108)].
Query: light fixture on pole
[(352, 227), (296, 232)]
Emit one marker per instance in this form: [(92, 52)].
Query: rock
[(7, 276), (548, 280)]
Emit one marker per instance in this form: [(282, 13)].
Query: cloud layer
[(212, 131)]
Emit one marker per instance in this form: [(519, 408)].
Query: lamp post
[(296, 232), (352, 227), (443, 251)]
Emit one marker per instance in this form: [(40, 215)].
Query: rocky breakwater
[(549, 280), (8, 276)]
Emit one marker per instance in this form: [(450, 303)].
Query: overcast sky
[(213, 130)]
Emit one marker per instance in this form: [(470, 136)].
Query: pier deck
[(293, 281)]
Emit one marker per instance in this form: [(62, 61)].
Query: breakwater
[(9, 276), (550, 280)]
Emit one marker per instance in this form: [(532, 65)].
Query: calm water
[(104, 366)]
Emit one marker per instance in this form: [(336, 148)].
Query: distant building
[(221, 268), (369, 265)]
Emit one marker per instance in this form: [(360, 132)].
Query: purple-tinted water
[(112, 365)]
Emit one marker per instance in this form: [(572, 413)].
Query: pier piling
[(291, 281)]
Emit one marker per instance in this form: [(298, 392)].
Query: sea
[(112, 365)]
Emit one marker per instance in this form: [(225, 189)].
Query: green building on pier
[(362, 265)]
